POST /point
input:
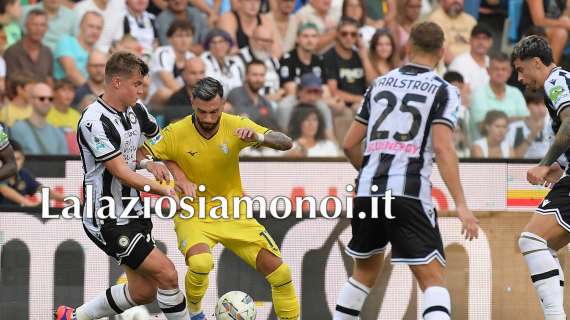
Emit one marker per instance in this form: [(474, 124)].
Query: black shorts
[(557, 202), (129, 244), (415, 239)]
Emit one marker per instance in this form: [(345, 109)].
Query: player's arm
[(448, 165), (8, 168), (352, 143), (158, 170), (16, 197), (117, 166), (181, 182), (561, 140), (271, 139)]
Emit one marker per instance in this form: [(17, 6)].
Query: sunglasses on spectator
[(44, 99), (347, 33)]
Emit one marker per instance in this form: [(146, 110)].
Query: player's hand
[(30, 203), (159, 171), (537, 175), (470, 224), (170, 192), (246, 134), (553, 175), (185, 188)]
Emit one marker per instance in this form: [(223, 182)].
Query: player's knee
[(201, 263), (168, 276), (280, 276), (143, 295), (529, 241)]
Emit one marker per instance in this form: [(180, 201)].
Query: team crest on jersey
[(225, 148), (155, 140), (123, 241), (132, 117), (3, 137), (556, 93)]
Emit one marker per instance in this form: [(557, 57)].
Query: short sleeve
[(161, 60), (363, 113), (557, 91), (149, 126), (63, 47), (160, 146), (101, 138), (4, 142), (244, 122), (447, 103)]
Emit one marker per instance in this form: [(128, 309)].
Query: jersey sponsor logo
[(556, 92), (155, 140), (379, 146)]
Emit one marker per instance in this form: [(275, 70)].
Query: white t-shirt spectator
[(505, 147), (143, 30), (473, 74), (112, 18), (229, 75), (519, 131), (164, 59), (323, 148)]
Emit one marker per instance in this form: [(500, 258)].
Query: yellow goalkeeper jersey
[(213, 162)]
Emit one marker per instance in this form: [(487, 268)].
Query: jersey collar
[(106, 105)]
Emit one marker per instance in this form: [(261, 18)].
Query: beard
[(254, 87), (455, 10), (208, 127)]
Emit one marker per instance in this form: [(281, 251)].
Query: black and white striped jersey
[(399, 109), (103, 133), (556, 99)]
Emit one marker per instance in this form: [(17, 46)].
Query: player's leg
[(539, 241), (194, 244), (366, 246), (436, 299), (252, 243)]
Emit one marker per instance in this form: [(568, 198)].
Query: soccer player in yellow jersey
[(203, 149)]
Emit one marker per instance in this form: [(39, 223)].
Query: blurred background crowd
[(298, 66)]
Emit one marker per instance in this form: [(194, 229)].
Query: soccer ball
[(235, 305)]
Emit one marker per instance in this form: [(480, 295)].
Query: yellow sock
[(284, 297), (196, 280)]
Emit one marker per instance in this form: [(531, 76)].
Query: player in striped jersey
[(549, 228), (109, 135), (407, 115)]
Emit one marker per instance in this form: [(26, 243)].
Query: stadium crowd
[(297, 66)]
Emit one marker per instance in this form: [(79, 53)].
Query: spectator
[(461, 132), (408, 13), (140, 24), (241, 22), (306, 128), (247, 101), (345, 77), (10, 13), (530, 138), (113, 12), (63, 116), (497, 95), (493, 143), (72, 53), (355, 9), (17, 190), (179, 10), (29, 54), (310, 91), (61, 21), (260, 48), (381, 12), (2, 65), (18, 91), (219, 64), (320, 14), (179, 104), (96, 79), (301, 60), (212, 9), (550, 15), (473, 64), (167, 62), (382, 55), (279, 18), (456, 26), (36, 135), (130, 44)]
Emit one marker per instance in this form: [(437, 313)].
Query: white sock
[(560, 271), (173, 304), (115, 300), (545, 274), (350, 300), (436, 304)]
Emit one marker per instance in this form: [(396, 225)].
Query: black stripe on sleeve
[(148, 127)]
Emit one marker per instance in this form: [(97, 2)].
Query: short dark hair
[(300, 113), (533, 47), (36, 12), (16, 146), (4, 4), (176, 25), (123, 64), (63, 83), (533, 96), (499, 57), (253, 63), (427, 37), (347, 21), (453, 76), (18, 80), (207, 89)]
